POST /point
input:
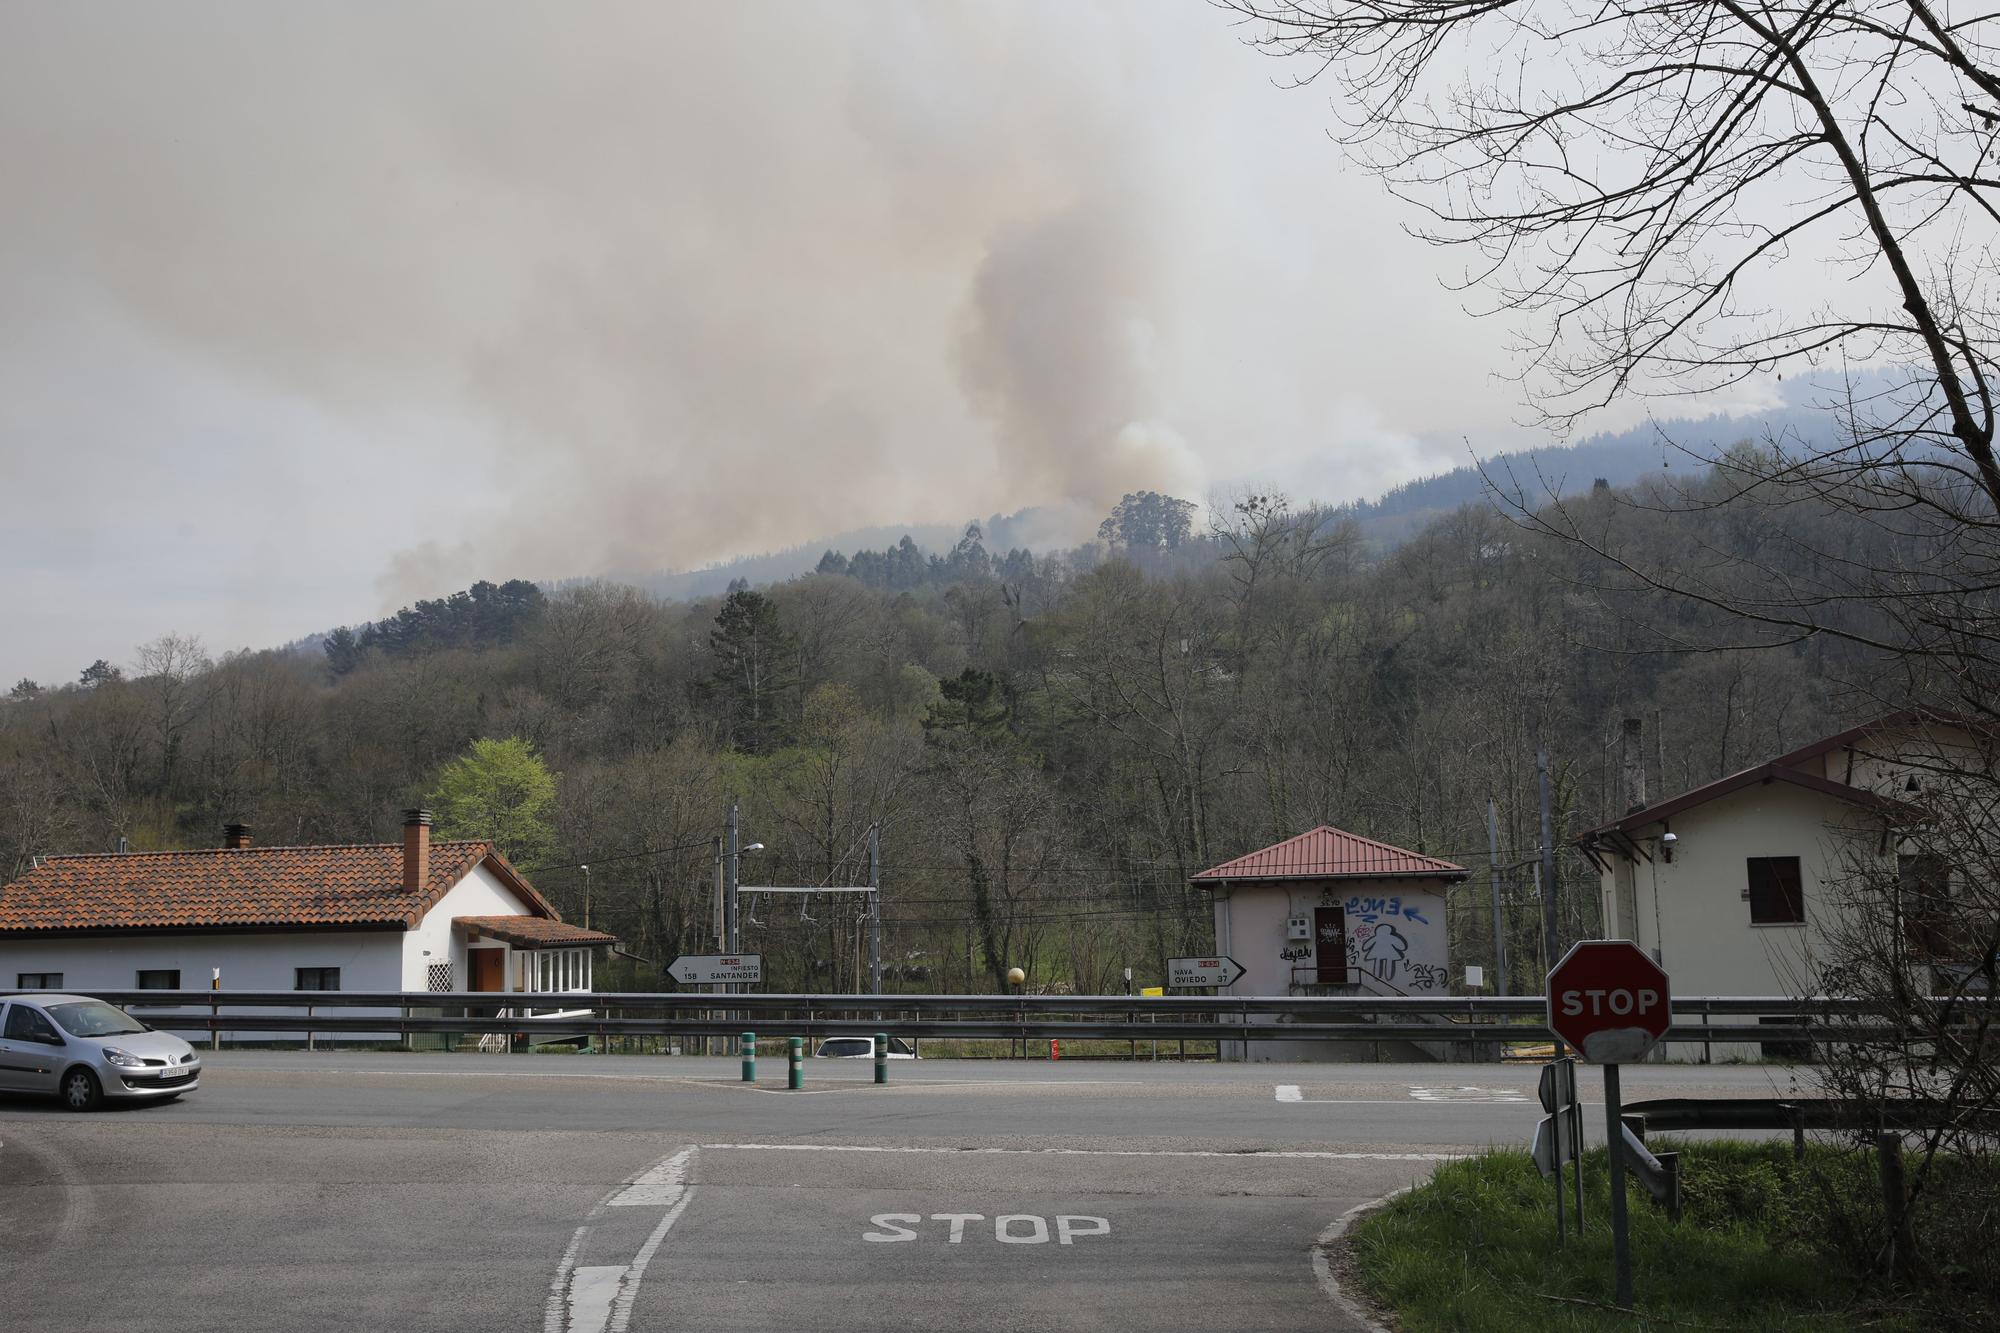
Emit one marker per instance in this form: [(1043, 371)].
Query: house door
[(488, 968), (1330, 945)]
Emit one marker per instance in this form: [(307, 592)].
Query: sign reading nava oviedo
[(710, 969), (1609, 1000), (1202, 971)]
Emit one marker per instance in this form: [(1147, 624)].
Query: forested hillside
[(1052, 744)]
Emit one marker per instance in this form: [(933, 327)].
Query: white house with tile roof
[(409, 916)]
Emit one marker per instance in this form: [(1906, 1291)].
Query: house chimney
[(416, 850), (233, 835), (1634, 760)]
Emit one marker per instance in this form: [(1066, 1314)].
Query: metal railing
[(1358, 1018)]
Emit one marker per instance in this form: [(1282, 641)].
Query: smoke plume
[(314, 294)]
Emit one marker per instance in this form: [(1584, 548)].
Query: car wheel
[(80, 1090)]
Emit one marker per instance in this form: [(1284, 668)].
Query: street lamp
[(586, 895)]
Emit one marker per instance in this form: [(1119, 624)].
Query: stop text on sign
[(1618, 1002), (1008, 1228)]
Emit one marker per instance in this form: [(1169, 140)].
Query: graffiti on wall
[(1396, 942)]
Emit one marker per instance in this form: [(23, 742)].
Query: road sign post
[(712, 969), (1614, 1139), (1562, 1133), (1193, 973), (1611, 1002)]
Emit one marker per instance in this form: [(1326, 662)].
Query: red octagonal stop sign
[(1609, 1000)]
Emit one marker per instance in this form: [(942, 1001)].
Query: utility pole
[(719, 917), (875, 909), (1493, 859), (1548, 862), (732, 856), (586, 895)]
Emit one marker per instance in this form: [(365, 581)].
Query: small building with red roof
[(1330, 913), (414, 915)]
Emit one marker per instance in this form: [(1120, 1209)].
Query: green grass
[(1474, 1248)]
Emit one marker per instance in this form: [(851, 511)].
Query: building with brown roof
[(1332, 913), (1732, 886), (416, 915)]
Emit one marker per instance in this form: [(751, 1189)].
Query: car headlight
[(123, 1059)]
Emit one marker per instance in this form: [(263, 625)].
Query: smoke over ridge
[(449, 291)]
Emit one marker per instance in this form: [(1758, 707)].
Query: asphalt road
[(579, 1194)]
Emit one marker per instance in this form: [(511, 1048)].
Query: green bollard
[(749, 1057), (798, 1078), (881, 1057)]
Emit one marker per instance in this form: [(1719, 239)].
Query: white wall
[(1410, 956), (1693, 914), (368, 961), (480, 893)]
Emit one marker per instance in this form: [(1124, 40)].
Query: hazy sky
[(309, 310)]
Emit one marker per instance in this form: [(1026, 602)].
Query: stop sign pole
[(1612, 1003)]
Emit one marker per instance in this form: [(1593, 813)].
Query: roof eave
[(1217, 881)]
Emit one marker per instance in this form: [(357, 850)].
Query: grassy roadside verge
[(1474, 1248)]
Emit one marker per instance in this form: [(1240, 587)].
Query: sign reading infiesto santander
[(1609, 1000)]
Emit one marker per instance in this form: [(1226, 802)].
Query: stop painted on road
[(1008, 1228)]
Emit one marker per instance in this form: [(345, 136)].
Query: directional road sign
[(1609, 1000), (1202, 971), (708, 969)]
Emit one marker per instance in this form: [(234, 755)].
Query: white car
[(84, 1050), (861, 1048)]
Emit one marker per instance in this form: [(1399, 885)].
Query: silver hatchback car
[(84, 1050)]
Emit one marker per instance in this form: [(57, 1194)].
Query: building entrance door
[(1330, 945), (488, 968)]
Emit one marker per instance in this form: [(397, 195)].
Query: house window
[(1776, 895), (159, 978), (38, 981), (1923, 884), (316, 978)]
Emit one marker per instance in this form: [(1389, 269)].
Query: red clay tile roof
[(1329, 853), (279, 888), (533, 932)]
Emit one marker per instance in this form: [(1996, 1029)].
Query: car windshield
[(94, 1018), (847, 1046)]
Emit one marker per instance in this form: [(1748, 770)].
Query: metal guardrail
[(1801, 1114), (1368, 1018)]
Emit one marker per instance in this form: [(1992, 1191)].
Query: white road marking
[(1467, 1093), (1291, 1092), (591, 1292), (1270, 1154), (555, 1314), (598, 1298), (621, 1310), (660, 1187)]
